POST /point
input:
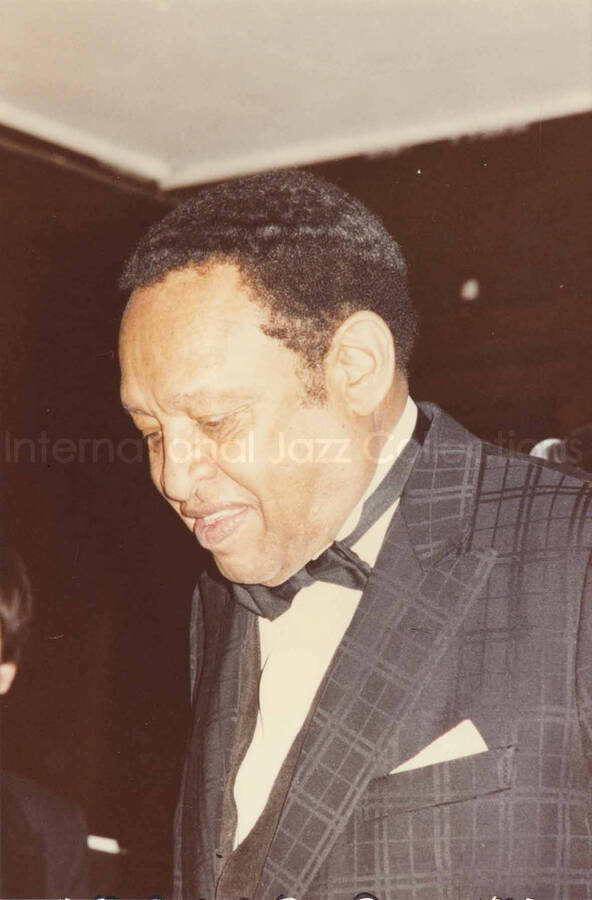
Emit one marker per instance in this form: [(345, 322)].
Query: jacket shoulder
[(523, 502), (532, 469), (42, 808)]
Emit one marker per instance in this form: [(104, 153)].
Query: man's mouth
[(212, 528)]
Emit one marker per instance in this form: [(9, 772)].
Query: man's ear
[(7, 673), (361, 361)]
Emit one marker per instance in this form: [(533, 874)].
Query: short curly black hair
[(313, 254), (16, 604)]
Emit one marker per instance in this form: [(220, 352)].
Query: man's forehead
[(192, 313), (195, 371), (208, 289), (194, 337), (191, 303)]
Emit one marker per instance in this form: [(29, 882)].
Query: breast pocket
[(447, 782)]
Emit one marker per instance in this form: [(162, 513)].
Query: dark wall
[(99, 711), (515, 212)]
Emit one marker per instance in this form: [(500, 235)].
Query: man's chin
[(245, 573)]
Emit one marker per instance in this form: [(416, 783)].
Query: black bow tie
[(338, 564)]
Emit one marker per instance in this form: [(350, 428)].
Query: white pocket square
[(462, 740)]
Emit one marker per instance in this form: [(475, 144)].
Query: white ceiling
[(186, 91)]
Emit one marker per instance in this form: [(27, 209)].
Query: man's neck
[(385, 448)]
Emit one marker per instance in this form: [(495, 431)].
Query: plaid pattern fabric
[(478, 607)]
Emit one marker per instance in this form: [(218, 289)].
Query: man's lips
[(216, 522)]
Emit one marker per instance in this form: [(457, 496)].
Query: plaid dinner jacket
[(478, 608)]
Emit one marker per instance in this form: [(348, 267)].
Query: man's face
[(262, 478)]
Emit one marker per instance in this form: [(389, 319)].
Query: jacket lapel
[(423, 584), (222, 634)]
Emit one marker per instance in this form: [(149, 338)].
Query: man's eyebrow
[(190, 396), (133, 411)]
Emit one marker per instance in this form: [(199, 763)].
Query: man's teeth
[(222, 514)]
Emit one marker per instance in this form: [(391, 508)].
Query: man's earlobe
[(7, 673), (364, 361)]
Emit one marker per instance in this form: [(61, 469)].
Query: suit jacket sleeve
[(584, 666)]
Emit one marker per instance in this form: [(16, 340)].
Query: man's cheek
[(239, 452)]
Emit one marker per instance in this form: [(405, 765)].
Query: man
[(42, 837), (391, 648)]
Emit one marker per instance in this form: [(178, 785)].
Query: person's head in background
[(16, 613)]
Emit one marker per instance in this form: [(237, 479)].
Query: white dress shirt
[(298, 646)]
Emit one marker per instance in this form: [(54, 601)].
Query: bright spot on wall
[(470, 289)]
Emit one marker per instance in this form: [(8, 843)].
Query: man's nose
[(187, 462)]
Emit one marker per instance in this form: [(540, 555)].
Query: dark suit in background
[(478, 608), (43, 840)]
